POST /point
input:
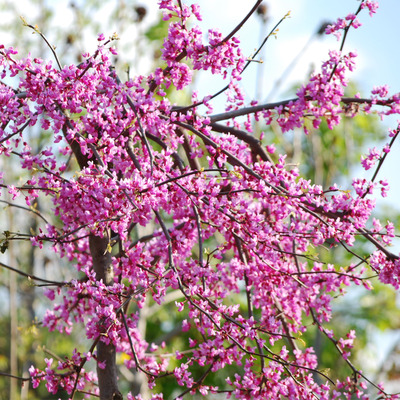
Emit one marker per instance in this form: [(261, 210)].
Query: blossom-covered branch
[(164, 200)]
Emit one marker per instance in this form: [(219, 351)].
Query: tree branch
[(271, 106)]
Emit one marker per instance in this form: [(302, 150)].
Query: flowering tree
[(154, 199)]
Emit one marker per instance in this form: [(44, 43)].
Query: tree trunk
[(108, 377)]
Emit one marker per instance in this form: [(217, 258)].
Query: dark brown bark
[(101, 259), (108, 378)]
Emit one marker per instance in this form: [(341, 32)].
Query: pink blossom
[(370, 160), (13, 191), (371, 5), (228, 243)]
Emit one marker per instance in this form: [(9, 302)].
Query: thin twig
[(382, 159), (52, 48), (25, 208), (239, 26), (346, 31), (14, 376), (81, 365), (32, 277)]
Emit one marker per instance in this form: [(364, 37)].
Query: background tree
[(158, 205)]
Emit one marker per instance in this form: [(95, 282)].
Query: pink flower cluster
[(342, 24), (64, 376), (371, 5), (220, 220), (320, 98), (351, 19)]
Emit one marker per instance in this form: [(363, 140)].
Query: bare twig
[(25, 208), (51, 47), (20, 378), (32, 277)]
